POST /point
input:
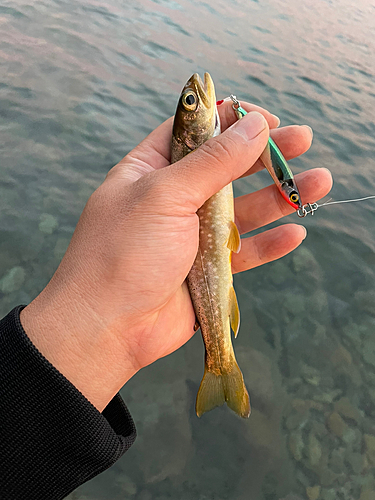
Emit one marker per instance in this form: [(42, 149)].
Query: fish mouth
[(205, 90)]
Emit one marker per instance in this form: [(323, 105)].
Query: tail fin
[(228, 387)]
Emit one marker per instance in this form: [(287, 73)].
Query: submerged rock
[(303, 260), (356, 462), (13, 280), (294, 304), (328, 477), (48, 223), (296, 445), (128, 487), (353, 332), (341, 356), (313, 492), (336, 462), (60, 248), (314, 450), (352, 436), (364, 300), (328, 494), (280, 273), (310, 374), (367, 495), (369, 440), (328, 396), (369, 351), (304, 405), (336, 424), (291, 496), (344, 407), (296, 421)]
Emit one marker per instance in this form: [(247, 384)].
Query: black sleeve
[(52, 439)]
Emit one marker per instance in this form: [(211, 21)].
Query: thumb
[(218, 161)]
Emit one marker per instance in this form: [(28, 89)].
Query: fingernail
[(250, 126), (305, 232), (311, 130), (219, 102), (278, 120)]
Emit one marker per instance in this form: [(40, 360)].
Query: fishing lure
[(275, 163), (281, 174)]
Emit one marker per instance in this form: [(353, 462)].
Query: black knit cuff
[(52, 438)]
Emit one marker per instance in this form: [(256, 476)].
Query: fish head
[(196, 117), (290, 193)]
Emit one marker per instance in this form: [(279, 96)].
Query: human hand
[(118, 300)]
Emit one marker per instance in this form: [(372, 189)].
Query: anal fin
[(234, 312), (234, 240)]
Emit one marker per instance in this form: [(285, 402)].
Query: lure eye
[(189, 101), (294, 198)]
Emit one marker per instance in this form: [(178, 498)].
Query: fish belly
[(210, 278)]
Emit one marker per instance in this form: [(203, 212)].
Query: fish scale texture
[(52, 439)]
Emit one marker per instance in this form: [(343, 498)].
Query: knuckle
[(220, 151)]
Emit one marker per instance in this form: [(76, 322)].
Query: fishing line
[(311, 208)]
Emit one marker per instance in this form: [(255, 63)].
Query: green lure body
[(277, 167)]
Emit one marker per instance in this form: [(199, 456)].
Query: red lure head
[(296, 206), (290, 193)]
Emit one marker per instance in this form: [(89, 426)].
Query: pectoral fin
[(234, 312), (234, 240)]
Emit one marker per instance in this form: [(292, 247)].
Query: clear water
[(81, 83)]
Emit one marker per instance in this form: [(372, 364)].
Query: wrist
[(76, 340)]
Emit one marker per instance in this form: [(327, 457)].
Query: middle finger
[(262, 207)]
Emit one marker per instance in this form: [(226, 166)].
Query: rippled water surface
[(81, 83)]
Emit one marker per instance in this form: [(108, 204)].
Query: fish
[(210, 280)]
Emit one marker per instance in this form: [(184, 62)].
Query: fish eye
[(294, 197), (189, 101)]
